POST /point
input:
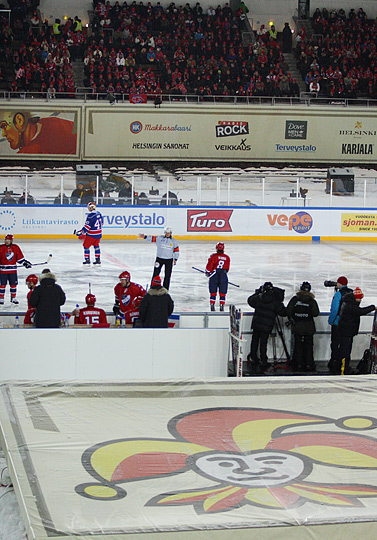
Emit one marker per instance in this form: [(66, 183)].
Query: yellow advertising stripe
[(201, 238), (212, 238)]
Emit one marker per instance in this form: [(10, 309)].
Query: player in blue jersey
[(92, 234)]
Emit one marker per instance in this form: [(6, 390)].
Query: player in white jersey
[(167, 253)]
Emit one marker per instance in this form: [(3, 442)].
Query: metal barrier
[(84, 96)]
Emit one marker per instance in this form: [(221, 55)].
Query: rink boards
[(269, 458)]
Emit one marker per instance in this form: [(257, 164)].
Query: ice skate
[(14, 301), (1, 301), (86, 262), (97, 262), (213, 307), (221, 307)]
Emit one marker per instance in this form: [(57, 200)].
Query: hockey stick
[(203, 272), (32, 264)]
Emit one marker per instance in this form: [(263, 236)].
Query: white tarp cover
[(267, 458)]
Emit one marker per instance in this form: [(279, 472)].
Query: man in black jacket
[(156, 306), (348, 326), (47, 299), (268, 304), (301, 310)]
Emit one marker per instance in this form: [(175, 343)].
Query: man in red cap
[(348, 326), (341, 290), (156, 306)]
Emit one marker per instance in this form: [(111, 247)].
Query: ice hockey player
[(128, 296), (217, 270), (301, 310), (31, 283), (91, 233), (90, 315), (167, 253), (10, 256), (267, 302)]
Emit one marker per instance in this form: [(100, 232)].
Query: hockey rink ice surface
[(262, 459), (287, 265)]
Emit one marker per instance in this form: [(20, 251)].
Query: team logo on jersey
[(9, 256), (126, 298), (209, 220)]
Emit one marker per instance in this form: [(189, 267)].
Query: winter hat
[(342, 280), (156, 281), (358, 293), (305, 286)]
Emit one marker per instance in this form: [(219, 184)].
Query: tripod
[(280, 365)]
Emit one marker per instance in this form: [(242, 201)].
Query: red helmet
[(220, 246), (136, 301), (9, 237), (125, 275), (90, 299), (32, 278)]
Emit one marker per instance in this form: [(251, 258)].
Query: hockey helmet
[(92, 206), (306, 286), (90, 299), (220, 246), (32, 279), (125, 275), (168, 230), (9, 237), (267, 287), (137, 301), (17, 119)]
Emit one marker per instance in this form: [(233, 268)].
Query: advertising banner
[(45, 132), (275, 223), (223, 134)]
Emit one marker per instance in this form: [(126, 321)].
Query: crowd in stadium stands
[(140, 48), (340, 60), (40, 54)]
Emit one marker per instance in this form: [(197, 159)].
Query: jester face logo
[(261, 457)]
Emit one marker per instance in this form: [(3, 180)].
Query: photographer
[(267, 302), (301, 310), (340, 290), (348, 327)]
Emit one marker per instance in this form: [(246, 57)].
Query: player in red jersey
[(10, 256), (31, 282), (90, 314), (128, 296), (217, 270)]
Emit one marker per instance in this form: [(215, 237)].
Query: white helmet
[(168, 230), (92, 206)]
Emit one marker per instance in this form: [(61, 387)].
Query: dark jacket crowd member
[(156, 306), (348, 327), (267, 302), (47, 299), (301, 310)]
